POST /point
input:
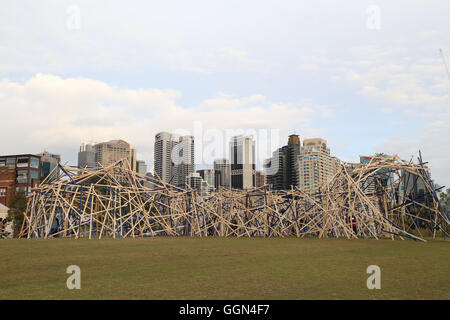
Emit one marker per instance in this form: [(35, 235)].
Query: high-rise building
[(292, 158), (141, 167), (183, 156), (164, 167), (259, 179), (95, 155), (243, 162), (316, 165), (282, 169), (222, 173), (86, 155), (275, 169), (106, 153), (174, 157), (195, 181), (208, 175)]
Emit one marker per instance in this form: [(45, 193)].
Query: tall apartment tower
[(222, 173), (174, 157), (315, 164), (243, 162), (183, 156), (86, 155), (164, 167), (292, 158), (282, 168), (275, 169), (106, 153)]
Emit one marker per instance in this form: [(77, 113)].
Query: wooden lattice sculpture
[(382, 198)]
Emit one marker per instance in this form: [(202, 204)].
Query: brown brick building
[(18, 172)]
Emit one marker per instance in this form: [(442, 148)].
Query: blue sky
[(72, 71)]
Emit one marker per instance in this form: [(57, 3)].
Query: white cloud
[(58, 114), (417, 86)]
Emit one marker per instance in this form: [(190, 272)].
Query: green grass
[(224, 268)]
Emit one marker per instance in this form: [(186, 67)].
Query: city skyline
[(300, 69), (225, 152)]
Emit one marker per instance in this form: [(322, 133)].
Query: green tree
[(444, 198), (17, 208)]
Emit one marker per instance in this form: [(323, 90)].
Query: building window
[(22, 176), (2, 192), (10, 161), (33, 175), (22, 162), (2, 162), (34, 163)]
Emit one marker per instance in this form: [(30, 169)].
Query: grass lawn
[(224, 268)]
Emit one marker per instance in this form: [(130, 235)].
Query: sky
[(367, 76)]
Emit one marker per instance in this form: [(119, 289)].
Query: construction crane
[(445, 62)]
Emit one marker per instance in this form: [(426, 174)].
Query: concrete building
[(86, 155), (275, 169), (106, 153), (209, 176), (164, 167), (195, 181), (282, 170), (222, 173), (316, 165), (141, 167), (95, 155), (174, 157), (183, 156), (243, 162), (18, 172), (259, 179)]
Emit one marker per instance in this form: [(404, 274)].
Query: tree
[(444, 198), (17, 208)]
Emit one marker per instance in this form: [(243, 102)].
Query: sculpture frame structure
[(368, 201)]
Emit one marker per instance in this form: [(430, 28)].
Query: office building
[(86, 155), (95, 155), (107, 153), (164, 167), (282, 170), (195, 181), (209, 176), (275, 169), (174, 157), (259, 179), (183, 156), (316, 165), (243, 162), (141, 167), (222, 173)]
